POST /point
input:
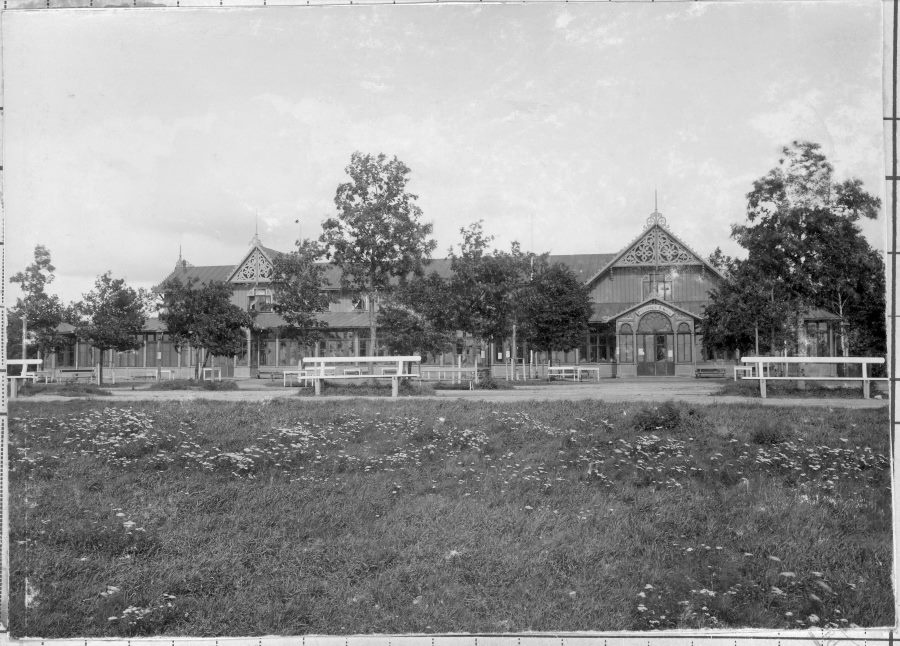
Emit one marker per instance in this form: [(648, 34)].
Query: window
[(359, 302), (683, 344), (601, 344), (657, 285), (260, 300), (818, 339), (626, 344)]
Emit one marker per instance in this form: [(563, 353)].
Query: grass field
[(289, 517)]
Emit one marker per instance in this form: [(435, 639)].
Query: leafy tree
[(748, 311), (297, 285), (414, 319), (111, 316), (41, 312), (555, 309), (484, 285), (204, 318), (377, 237), (804, 248)]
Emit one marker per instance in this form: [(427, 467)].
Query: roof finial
[(656, 217)]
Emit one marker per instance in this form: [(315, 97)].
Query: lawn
[(289, 517)]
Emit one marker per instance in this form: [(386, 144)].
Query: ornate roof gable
[(255, 268), (656, 246)]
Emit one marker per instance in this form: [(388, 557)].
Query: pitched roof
[(357, 319), (203, 274), (655, 221)]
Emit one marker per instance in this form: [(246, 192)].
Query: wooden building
[(648, 300)]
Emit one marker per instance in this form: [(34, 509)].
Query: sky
[(131, 134)]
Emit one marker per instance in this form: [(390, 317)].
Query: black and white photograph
[(451, 318)]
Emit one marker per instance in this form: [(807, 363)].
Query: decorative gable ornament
[(656, 247), (255, 268)]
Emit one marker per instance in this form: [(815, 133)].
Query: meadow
[(289, 517)]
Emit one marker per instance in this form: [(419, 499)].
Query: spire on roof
[(656, 217), (182, 264)]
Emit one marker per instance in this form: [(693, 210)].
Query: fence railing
[(792, 369)]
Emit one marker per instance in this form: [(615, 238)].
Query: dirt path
[(629, 390)]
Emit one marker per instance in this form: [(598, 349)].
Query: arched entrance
[(655, 346)]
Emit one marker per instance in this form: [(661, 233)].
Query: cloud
[(563, 20)]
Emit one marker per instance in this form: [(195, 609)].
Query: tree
[(203, 318), (41, 312), (804, 249), (555, 309), (377, 237), (414, 319), (111, 316), (748, 311), (298, 282), (484, 284)]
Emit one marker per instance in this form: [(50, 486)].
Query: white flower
[(813, 619)]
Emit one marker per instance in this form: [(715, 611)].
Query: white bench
[(74, 374), (215, 374), (26, 372), (563, 372), (588, 369), (316, 367)]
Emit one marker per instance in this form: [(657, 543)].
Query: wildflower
[(813, 619), (642, 595), (648, 587), (788, 575), (642, 608), (775, 558)]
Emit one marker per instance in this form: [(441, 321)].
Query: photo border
[(712, 637)]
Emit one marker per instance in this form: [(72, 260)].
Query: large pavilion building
[(648, 300)]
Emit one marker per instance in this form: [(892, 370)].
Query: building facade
[(648, 300)]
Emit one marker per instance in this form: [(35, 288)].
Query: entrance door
[(656, 346), (656, 357), (665, 354)]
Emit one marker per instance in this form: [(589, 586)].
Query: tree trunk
[(845, 346), (100, 367), (372, 326)]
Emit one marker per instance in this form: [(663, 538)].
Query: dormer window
[(260, 300), (657, 285)]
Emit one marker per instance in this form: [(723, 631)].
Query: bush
[(218, 385), (767, 434), (190, 384), (65, 390), (665, 417)]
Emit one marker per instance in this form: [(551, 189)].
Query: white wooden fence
[(765, 369)]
